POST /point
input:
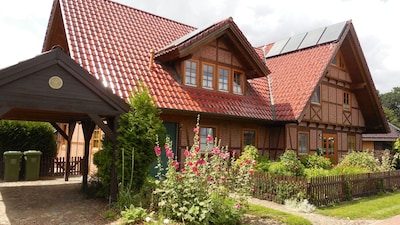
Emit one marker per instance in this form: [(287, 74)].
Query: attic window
[(316, 97), (208, 75), (191, 73), (223, 81), (238, 82), (338, 61), (346, 100)]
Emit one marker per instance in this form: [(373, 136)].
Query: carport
[(53, 88)]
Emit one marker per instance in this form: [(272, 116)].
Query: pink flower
[(183, 170), (195, 130), (224, 155), (251, 171), (169, 153), (175, 164), (223, 179), (215, 151), (200, 162), (209, 138), (190, 163), (237, 205), (197, 149), (197, 173), (186, 153), (194, 169), (157, 150), (254, 162), (247, 161)]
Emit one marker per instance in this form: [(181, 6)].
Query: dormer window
[(208, 76), (338, 61), (238, 82), (223, 81), (191, 73)]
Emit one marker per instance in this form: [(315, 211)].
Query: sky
[(23, 25)]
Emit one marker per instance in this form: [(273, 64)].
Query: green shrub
[(288, 164), (315, 161), (250, 153), (133, 215), (137, 135), (362, 159), (263, 163), (25, 135)]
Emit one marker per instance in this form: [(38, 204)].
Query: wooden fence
[(50, 166), (322, 191)]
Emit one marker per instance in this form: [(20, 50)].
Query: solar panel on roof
[(332, 33), (293, 43), (312, 38), (277, 47)]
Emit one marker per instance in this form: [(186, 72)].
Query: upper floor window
[(191, 73), (237, 82), (346, 100), (205, 140), (223, 80), (316, 97), (303, 143), (208, 75)]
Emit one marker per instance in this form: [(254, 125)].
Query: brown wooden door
[(329, 147)]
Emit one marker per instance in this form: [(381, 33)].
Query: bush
[(25, 135), (315, 161), (263, 163), (133, 215), (362, 159), (288, 164), (137, 135)]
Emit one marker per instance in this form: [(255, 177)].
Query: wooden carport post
[(71, 129), (88, 128)]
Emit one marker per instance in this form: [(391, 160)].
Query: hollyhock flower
[(198, 173), (190, 163), (157, 150), (194, 169), (251, 171), (169, 153), (195, 130), (223, 179), (197, 149), (200, 162), (209, 138), (247, 161), (183, 170), (215, 151), (237, 205), (254, 162), (175, 164), (224, 155), (186, 153)]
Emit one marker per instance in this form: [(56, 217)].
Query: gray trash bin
[(12, 165)]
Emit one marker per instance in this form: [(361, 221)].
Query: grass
[(376, 207), (280, 216)]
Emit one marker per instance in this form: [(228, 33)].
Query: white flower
[(166, 221), (148, 219)]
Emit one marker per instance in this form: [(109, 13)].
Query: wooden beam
[(88, 128), (106, 129), (59, 130), (71, 129)]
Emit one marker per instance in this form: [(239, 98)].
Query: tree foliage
[(26, 135), (391, 105), (137, 135)]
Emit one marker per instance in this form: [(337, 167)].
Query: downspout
[(271, 96)]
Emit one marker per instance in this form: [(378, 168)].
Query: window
[(249, 137), (351, 143), (208, 75), (346, 100), (191, 73), (223, 80), (338, 61), (316, 98), (96, 138), (204, 132), (303, 143), (237, 82)]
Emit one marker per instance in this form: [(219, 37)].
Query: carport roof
[(52, 87)]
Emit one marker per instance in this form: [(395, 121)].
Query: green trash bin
[(32, 164), (12, 165)]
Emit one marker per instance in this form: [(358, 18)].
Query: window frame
[(213, 76), (242, 81), (317, 91), (203, 144), (299, 144), (229, 79), (197, 73), (243, 136), (346, 101)]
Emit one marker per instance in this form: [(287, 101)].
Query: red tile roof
[(113, 41), (294, 77)]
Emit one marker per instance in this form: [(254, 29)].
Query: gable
[(52, 87)]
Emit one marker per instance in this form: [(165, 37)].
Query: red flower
[(169, 153), (183, 170), (176, 164), (194, 169), (247, 161), (195, 130), (209, 138), (186, 153), (215, 151), (197, 149), (251, 171), (157, 150)]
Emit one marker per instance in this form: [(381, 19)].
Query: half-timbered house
[(308, 92)]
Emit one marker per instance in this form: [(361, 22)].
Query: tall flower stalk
[(198, 191)]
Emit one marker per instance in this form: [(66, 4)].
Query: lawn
[(376, 207), (276, 215)]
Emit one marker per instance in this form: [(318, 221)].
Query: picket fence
[(323, 191)]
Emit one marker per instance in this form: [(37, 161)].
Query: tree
[(137, 135), (391, 101)]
